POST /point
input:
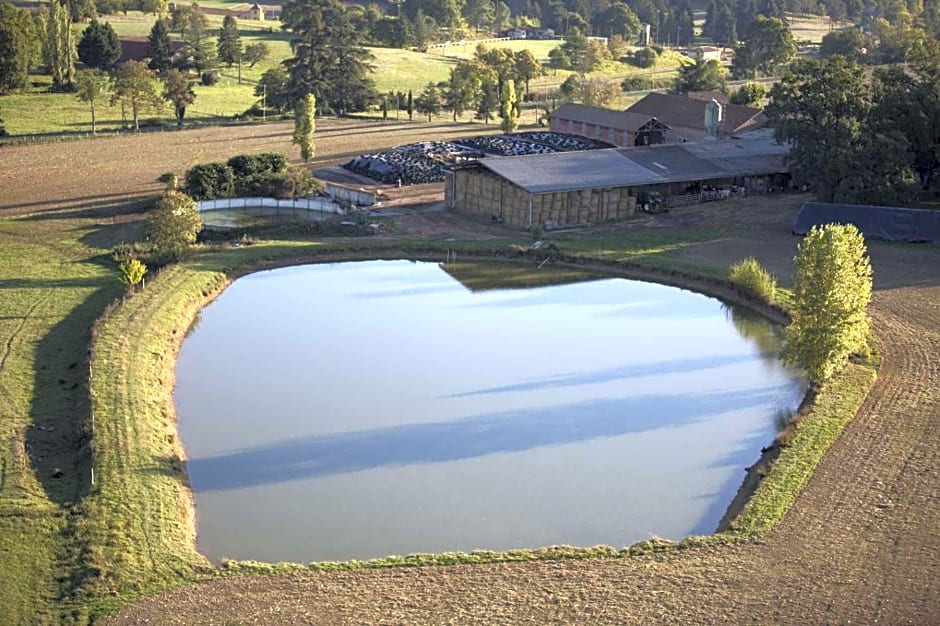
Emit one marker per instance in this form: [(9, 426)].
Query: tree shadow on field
[(59, 438), (98, 205), (120, 205)]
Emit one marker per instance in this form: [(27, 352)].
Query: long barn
[(602, 185)]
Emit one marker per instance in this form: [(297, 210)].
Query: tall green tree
[(831, 290), (229, 44), (702, 76), (750, 95), (93, 87), (159, 48), (327, 59), (255, 52), (19, 44), (618, 19), (847, 42), (193, 25), (59, 53), (907, 102), (508, 108), (305, 125), (767, 46), (823, 109), (428, 101), (410, 107), (99, 46), (465, 85), (136, 86), (178, 91), (272, 88), (526, 66)]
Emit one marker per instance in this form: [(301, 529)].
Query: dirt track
[(860, 545)]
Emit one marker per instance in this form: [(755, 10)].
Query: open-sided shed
[(874, 222)]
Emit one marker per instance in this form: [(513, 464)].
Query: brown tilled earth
[(860, 546)]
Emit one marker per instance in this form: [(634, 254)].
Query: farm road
[(859, 546)]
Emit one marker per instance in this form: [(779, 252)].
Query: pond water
[(359, 410)]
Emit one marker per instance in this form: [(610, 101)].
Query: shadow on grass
[(58, 440)]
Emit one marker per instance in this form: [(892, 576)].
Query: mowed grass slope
[(51, 290)]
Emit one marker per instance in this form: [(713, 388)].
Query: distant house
[(685, 116), (539, 33), (255, 11), (619, 128), (705, 53), (135, 48)]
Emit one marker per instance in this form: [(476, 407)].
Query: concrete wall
[(311, 204), (480, 192)]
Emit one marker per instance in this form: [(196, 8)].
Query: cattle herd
[(425, 162)]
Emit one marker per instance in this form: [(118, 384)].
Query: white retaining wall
[(360, 197), (310, 204)]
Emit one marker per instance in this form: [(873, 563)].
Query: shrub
[(645, 57), (209, 181), (248, 164), (173, 225), (263, 185), (751, 276), (132, 272), (208, 78), (298, 183), (636, 83)]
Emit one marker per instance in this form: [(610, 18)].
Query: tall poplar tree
[(831, 290), (59, 53), (509, 112), (305, 125)]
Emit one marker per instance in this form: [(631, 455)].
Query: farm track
[(860, 544)]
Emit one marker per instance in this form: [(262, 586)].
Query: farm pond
[(363, 409)]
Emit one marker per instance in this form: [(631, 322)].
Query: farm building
[(705, 53), (686, 115), (254, 11), (618, 128), (134, 48), (601, 185)]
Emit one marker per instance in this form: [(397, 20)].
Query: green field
[(38, 111)]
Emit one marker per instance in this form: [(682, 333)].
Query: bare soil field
[(115, 171), (860, 544)]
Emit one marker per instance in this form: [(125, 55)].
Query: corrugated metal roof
[(595, 169), (680, 111), (672, 161), (565, 171), (608, 118)]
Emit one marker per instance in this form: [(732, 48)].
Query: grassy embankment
[(74, 549)]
